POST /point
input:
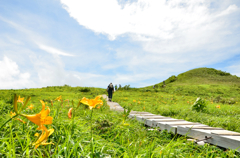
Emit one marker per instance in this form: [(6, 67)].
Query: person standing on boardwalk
[(110, 91), (115, 87)]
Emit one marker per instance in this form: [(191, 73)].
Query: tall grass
[(111, 137)]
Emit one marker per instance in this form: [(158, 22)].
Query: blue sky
[(92, 43)]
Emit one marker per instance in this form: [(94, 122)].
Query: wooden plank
[(143, 114), (137, 112), (165, 119), (139, 115), (229, 134), (219, 132), (222, 141), (207, 128), (192, 126), (149, 122), (232, 137), (179, 123), (153, 117), (171, 128)]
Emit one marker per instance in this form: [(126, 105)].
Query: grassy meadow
[(101, 132)]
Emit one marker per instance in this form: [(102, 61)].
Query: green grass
[(110, 136)]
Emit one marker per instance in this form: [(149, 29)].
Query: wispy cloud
[(53, 50)]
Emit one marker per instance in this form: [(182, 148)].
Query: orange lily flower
[(30, 107), (12, 114), (41, 118), (20, 100), (43, 138), (92, 102), (70, 113), (218, 106), (59, 98)]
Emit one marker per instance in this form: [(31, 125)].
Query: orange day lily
[(59, 98), (30, 107), (92, 102), (12, 114), (20, 100), (70, 113), (218, 106), (43, 138), (41, 118)]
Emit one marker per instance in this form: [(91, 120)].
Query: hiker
[(110, 91), (115, 87)]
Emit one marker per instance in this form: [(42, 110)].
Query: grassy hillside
[(220, 90), (200, 82)]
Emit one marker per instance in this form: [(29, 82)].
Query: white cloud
[(53, 50), (178, 28), (148, 18), (11, 77), (175, 35)]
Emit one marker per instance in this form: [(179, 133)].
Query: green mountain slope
[(204, 76), (201, 82)]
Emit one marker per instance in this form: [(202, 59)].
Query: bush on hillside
[(126, 87), (171, 79), (85, 89), (199, 105)]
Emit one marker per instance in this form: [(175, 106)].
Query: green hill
[(201, 82), (203, 76)]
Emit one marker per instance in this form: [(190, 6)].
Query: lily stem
[(92, 136), (8, 121)]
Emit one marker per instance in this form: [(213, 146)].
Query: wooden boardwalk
[(216, 136)]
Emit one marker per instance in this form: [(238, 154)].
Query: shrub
[(85, 89), (199, 105)]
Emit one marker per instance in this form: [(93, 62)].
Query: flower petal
[(47, 120), (34, 118)]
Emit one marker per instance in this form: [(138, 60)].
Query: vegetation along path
[(198, 131)]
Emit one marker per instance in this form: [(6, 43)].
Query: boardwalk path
[(216, 136)]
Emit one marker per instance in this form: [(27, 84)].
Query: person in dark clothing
[(110, 91)]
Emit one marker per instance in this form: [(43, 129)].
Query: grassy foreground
[(104, 133), (72, 137)]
